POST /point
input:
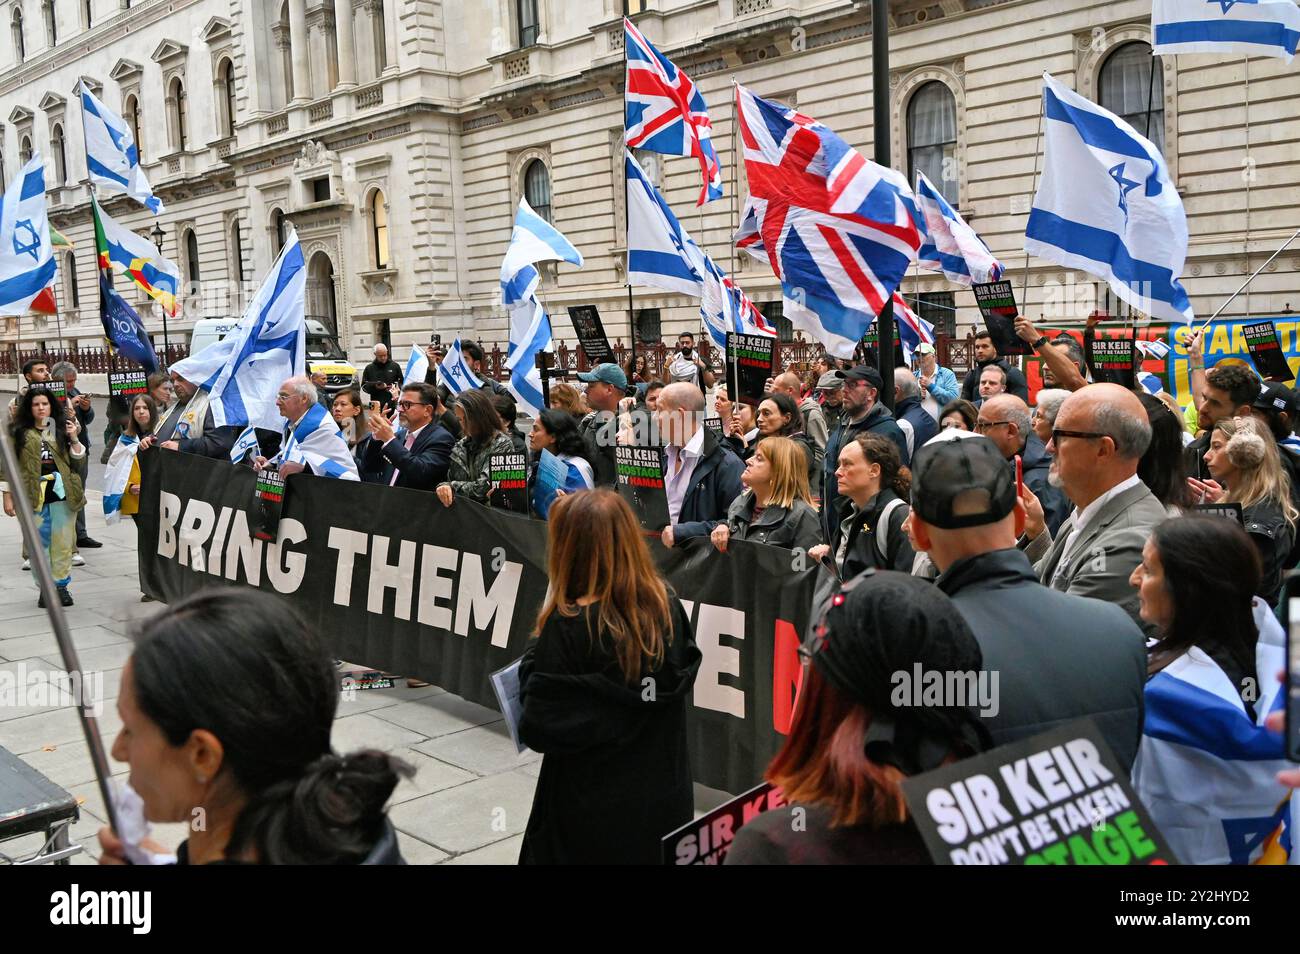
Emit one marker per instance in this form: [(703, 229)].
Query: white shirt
[(1079, 520), (676, 481)]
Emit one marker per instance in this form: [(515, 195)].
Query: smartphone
[(1291, 685), (436, 341), (1020, 477), (374, 407)]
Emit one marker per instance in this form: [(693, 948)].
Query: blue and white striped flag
[(1258, 27), (26, 257), (317, 443), (1206, 771), (533, 240), (455, 371), (950, 245), (117, 474), (417, 366), (1107, 206), (245, 369), (111, 155), (1149, 382)]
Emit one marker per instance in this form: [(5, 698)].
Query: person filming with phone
[(687, 365)]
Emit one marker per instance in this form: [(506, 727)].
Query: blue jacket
[(423, 467), (944, 387), (918, 421), (715, 483)]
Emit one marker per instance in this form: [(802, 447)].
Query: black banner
[(1058, 798), (397, 582), (1111, 361), (1266, 352), (751, 360), (591, 334)]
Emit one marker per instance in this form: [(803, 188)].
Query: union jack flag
[(665, 112), (839, 231), (913, 330)]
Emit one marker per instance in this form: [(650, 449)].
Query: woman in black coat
[(775, 507), (777, 416), (605, 688)]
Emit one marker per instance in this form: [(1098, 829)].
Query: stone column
[(344, 27), (300, 39)]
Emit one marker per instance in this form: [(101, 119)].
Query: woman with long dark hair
[(468, 474), (778, 415), (851, 744), (556, 431), (122, 477), (1161, 467), (1212, 682), (52, 467), (868, 530), (227, 705), (605, 688)]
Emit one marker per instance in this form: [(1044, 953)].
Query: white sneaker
[(78, 560), (27, 564)]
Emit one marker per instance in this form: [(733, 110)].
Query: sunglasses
[(1057, 434)]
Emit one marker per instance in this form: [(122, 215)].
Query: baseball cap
[(962, 482), (1277, 397), (925, 348), (831, 381), (610, 374), (864, 372)]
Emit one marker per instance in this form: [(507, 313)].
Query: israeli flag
[(111, 155), (417, 366), (1206, 771), (660, 253), (530, 335), (1107, 206), (1259, 27), (26, 256), (244, 370), (317, 443), (455, 371), (247, 441), (117, 474), (950, 245), (1149, 382)]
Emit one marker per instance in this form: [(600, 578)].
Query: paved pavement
[(467, 803)]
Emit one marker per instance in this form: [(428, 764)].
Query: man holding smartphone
[(688, 366)]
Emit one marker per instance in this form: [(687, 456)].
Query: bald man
[(814, 419), (701, 477), (1006, 421), (1101, 432)]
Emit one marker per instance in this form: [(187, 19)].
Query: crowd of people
[(1052, 538)]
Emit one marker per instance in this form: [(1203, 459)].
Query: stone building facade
[(397, 136)]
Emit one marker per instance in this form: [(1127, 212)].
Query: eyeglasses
[(983, 426), (407, 405), (281, 396), (1088, 435)]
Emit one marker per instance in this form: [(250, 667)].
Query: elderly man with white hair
[(310, 439), (382, 377)]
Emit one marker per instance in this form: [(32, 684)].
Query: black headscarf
[(885, 623)]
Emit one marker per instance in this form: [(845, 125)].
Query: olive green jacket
[(468, 473), (72, 469)]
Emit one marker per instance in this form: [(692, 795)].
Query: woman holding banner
[(852, 743), (605, 688), (776, 507), (52, 467), (122, 478), (227, 705), (1243, 461)]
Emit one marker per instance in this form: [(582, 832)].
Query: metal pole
[(880, 135), (627, 215), (1250, 279), (54, 609)]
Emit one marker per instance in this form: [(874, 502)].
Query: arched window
[(528, 25), (281, 236), (131, 110), (51, 24), (379, 223), (176, 105), (1126, 86), (24, 151), (192, 255), (60, 154), (932, 138), (226, 96), (537, 188), (236, 251), (20, 44), (380, 38), (70, 264)]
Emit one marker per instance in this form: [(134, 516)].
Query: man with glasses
[(1006, 421), (310, 439), (1101, 432), (417, 454)]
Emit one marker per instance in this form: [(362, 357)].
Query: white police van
[(323, 351)]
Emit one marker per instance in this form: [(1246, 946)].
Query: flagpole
[(627, 214), (1038, 137), (1250, 173), (1207, 321), (880, 141)]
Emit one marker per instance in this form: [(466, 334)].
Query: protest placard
[(58, 389), (705, 840), (1230, 510), (267, 505), (641, 482), (591, 334), (508, 474), (997, 305), (1266, 352), (1111, 361), (751, 360), (127, 384), (1058, 798)]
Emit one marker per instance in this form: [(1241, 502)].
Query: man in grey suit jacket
[(1101, 431)]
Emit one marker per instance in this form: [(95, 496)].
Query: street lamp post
[(158, 235)]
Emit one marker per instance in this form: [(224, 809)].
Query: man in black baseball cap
[(1060, 657), (861, 412)]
